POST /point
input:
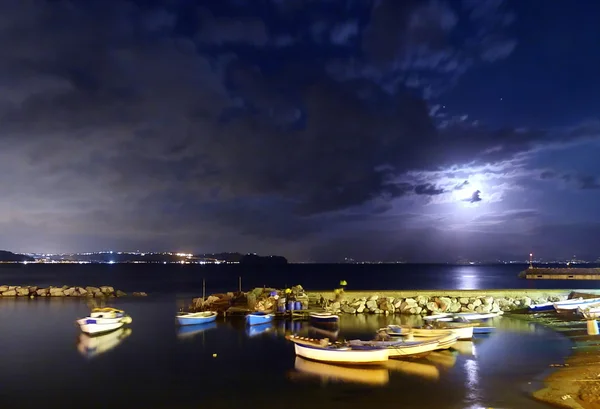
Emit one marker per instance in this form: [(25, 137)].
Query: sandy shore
[(576, 383)]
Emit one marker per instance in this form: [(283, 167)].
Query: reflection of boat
[(94, 326), (257, 318), (93, 346), (424, 370), (550, 306), (464, 347), (189, 331), (371, 376), (592, 302), (324, 351), (196, 318), (328, 334), (323, 318), (444, 358), (258, 329), (463, 332)]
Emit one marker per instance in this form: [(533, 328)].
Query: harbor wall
[(64, 291), (561, 273)]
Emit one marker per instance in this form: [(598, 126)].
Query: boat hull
[(550, 306), (192, 319), (324, 319), (94, 329), (401, 349), (258, 319), (463, 333), (342, 356), (593, 302)]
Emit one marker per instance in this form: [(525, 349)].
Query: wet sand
[(576, 382)]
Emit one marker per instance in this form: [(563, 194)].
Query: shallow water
[(153, 365)]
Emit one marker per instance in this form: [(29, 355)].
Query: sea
[(46, 361)]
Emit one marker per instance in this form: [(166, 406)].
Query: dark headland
[(13, 257)]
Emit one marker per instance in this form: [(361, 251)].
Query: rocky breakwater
[(424, 305), (64, 291)]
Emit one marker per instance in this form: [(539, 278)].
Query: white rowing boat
[(95, 326), (462, 315), (591, 302), (463, 332), (336, 353)]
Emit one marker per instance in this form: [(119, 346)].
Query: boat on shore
[(592, 302), (338, 353), (196, 318), (474, 316), (258, 318), (550, 306), (323, 318), (464, 332)]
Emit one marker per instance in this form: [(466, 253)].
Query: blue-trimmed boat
[(196, 318), (549, 306), (323, 318), (257, 318)]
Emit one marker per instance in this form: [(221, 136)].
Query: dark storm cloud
[(475, 197), (574, 179), (428, 189), (135, 121)]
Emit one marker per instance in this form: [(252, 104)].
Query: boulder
[(57, 292), (455, 307), (9, 293), (432, 306), (463, 301), (92, 289), (488, 300), (495, 307), (22, 291), (476, 302), (82, 291), (417, 310), (3, 288), (361, 308), (443, 303), (139, 294), (525, 301), (373, 298), (471, 307), (398, 303), (72, 291), (483, 309), (33, 288), (107, 289), (120, 293), (42, 292), (422, 300), (386, 306), (335, 306), (348, 309), (371, 305), (407, 305)]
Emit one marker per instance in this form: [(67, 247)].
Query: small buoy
[(214, 355)]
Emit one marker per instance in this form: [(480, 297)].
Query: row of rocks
[(433, 305), (64, 291)]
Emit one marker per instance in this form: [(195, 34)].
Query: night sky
[(315, 129)]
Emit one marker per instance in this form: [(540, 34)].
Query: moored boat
[(93, 326), (463, 332), (592, 302), (196, 318), (471, 316), (257, 318), (323, 318), (341, 353), (397, 349), (549, 306)]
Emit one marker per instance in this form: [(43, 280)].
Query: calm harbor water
[(47, 361), (219, 278), (154, 365)]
